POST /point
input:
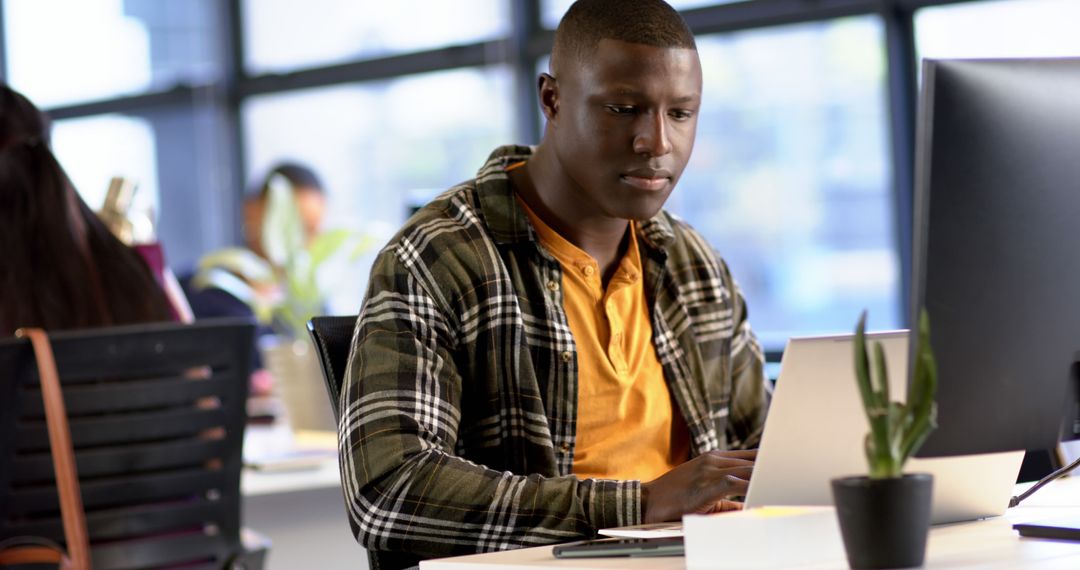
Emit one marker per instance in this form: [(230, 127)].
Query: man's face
[(623, 123), (310, 204)]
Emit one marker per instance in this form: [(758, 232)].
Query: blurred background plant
[(287, 287)]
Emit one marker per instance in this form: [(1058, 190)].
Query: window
[(383, 147), (60, 53), (551, 11), (1012, 28), (92, 150), (790, 177), (283, 35)]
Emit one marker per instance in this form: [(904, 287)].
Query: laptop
[(816, 425)]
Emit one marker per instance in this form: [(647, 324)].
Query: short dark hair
[(649, 22), (298, 175)]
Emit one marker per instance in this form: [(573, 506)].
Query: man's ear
[(548, 90)]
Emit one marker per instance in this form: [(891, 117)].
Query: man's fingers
[(724, 505), (749, 454), (740, 472), (723, 465), (735, 486), (729, 458)]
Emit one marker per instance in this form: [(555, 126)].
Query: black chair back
[(157, 415), (332, 337)]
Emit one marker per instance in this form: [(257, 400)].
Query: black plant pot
[(884, 522)]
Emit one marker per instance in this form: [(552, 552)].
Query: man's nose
[(652, 138)]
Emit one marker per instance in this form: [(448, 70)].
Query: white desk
[(990, 544), (301, 511)]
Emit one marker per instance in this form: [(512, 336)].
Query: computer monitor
[(997, 249)]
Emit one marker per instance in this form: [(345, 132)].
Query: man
[(544, 352), (243, 282)]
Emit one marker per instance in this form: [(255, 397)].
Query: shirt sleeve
[(751, 390), (405, 487)]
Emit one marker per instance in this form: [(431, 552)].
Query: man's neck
[(549, 197)]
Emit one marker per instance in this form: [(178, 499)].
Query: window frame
[(525, 46)]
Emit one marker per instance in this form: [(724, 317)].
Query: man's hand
[(700, 485)]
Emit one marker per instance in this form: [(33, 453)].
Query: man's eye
[(682, 115), (620, 109)]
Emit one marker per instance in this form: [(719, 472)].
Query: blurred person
[(63, 268), (233, 285), (310, 196), (244, 282)]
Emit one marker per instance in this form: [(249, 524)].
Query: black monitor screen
[(997, 249)]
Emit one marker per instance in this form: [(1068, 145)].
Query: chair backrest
[(332, 337), (157, 415)]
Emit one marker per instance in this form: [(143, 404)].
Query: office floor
[(300, 509), (308, 529)]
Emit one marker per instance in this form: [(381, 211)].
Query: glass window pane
[(382, 148), (103, 48), (282, 35), (551, 11), (1012, 28), (790, 177), (92, 150)]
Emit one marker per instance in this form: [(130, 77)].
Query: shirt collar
[(507, 222)]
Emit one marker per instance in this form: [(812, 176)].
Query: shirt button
[(567, 356), (589, 270), (565, 448), (552, 286)]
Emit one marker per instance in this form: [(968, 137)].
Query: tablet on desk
[(671, 546), (1061, 529)]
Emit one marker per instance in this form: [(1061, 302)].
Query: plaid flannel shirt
[(460, 398)]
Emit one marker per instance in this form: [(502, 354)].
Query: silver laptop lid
[(816, 426)]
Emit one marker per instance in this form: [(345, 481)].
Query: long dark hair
[(61, 267)]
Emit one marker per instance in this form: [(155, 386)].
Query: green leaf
[(862, 366), (896, 429), (898, 420), (363, 245), (922, 391), (240, 261), (881, 424), (282, 229), (327, 244), (881, 389), (914, 438)]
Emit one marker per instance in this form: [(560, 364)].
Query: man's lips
[(647, 179)]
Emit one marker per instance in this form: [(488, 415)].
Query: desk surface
[(261, 442), (989, 543)]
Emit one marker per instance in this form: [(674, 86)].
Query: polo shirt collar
[(507, 222)]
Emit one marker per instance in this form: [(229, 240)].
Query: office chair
[(157, 415), (332, 337)]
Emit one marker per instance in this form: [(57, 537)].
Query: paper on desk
[(651, 530), (764, 537), (279, 449), (290, 460)]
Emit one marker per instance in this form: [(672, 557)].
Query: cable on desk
[(1064, 470)]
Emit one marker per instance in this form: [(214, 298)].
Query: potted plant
[(283, 290), (885, 516)]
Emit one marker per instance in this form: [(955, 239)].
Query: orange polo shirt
[(627, 425)]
